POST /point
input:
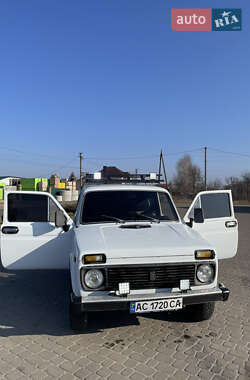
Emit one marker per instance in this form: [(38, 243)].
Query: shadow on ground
[(36, 302)]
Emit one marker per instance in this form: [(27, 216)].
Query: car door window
[(216, 205), (27, 208), (52, 211), (197, 204)]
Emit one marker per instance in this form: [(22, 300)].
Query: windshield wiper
[(113, 218), (150, 218)]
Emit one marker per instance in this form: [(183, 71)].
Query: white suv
[(127, 248)]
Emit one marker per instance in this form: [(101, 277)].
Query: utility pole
[(159, 172), (164, 168), (80, 156), (205, 167)]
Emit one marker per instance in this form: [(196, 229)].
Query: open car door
[(29, 236), (220, 226)]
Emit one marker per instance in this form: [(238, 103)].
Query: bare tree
[(215, 185), (246, 183), (188, 179), (230, 181), (72, 177), (239, 186)]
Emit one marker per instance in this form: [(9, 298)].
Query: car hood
[(166, 239)]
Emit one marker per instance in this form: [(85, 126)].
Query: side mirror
[(198, 215), (61, 220)]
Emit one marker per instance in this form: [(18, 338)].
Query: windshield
[(127, 205)]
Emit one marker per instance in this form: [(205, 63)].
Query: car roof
[(124, 187)]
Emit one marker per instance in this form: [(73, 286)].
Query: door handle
[(231, 223), (10, 230)]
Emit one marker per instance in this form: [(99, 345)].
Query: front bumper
[(113, 302)]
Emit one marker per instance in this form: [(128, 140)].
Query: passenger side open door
[(30, 235), (220, 226)]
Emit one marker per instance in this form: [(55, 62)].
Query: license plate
[(160, 305)]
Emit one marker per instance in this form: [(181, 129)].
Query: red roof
[(112, 171)]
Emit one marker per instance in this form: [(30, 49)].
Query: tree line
[(189, 180)]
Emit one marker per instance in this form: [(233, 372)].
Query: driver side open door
[(30, 238), (220, 227)]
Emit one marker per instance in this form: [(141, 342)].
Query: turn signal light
[(204, 254), (94, 259)]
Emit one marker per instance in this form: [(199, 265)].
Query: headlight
[(205, 273), (94, 278)]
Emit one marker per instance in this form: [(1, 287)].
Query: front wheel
[(78, 322), (200, 312)]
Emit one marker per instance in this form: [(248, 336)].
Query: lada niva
[(126, 249)]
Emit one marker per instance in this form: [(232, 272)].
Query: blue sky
[(111, 79)]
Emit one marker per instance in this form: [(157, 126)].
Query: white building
[(9, 181)]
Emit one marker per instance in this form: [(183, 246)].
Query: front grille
[(150, 277)]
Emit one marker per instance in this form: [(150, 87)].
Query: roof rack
[(142, 178)]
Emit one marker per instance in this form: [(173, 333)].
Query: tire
[(200, 312), (79, 321)]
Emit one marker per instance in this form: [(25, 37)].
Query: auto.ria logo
[(206, 19), (226, 19)]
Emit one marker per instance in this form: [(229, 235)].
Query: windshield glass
[(110, 206)]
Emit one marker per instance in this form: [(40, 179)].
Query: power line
[(99, 158), (64, 167), (183, 152), (31, 153), (142, 157), (125, 158), (225, 152), (96, 160), (120, 158), (28, 162)]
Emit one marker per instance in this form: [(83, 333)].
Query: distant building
[(10, 181), (112, 173)]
